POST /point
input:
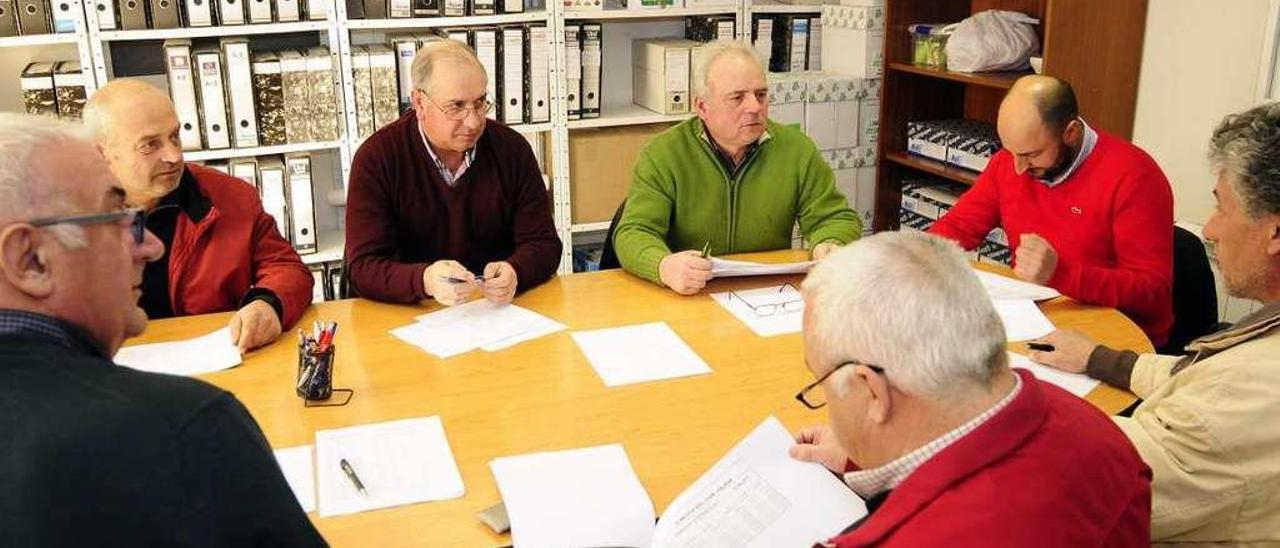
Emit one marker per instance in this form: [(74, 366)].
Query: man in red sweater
[(222, 251), (948, 446), (1086, 213), (444, 194)]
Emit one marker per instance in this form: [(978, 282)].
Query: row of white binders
[(28, 17), (226, 97), (53, 88), (285, 186), (168, 14)]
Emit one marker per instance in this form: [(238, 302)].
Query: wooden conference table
[(543, 395)]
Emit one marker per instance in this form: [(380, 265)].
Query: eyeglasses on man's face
[(816, 400), (459, 110), (792, 305), (137, 221)]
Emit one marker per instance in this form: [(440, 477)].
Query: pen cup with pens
[(315, 366)]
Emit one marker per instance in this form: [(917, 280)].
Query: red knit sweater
[(1111, 223), (402, 216)]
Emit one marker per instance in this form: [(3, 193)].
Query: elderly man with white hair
[(948, 446), (727, 181), (1203, 423), (444, 201), (224, 253), (95, 454)]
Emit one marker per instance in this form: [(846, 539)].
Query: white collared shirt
[(449, 177), (869, 483), (1086, 148)]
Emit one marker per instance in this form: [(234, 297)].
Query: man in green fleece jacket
[(728, 181)]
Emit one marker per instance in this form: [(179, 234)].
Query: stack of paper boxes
[(840, 113), (963, 143), (927, 200), (853, 38)]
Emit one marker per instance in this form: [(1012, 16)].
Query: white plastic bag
[(993, 40)]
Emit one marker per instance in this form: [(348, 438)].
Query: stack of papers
[(723, 268), (639, 353), (477, 324), (298, 466), (398, 462), (784, 303), (1023, 320), (581, 497), (756, 496), (1005, 288), (1075, 383), (205, 354)]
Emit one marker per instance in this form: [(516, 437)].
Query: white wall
[(1200, 62)]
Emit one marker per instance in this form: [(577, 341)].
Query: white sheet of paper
[(1075, 383), (1005, 288), (723, 268), (476, 324), (639, 353), (203, 354), (298, 465), (580, 497), (780, 322), (399, 462), (1022, 319), (758, 496)]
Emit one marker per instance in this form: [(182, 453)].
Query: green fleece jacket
[(683, 198)]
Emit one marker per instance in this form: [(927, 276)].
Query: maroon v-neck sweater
[(401, 216)]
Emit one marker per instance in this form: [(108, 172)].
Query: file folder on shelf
[(199, 13), (591, 65), (271, 179), (573, 70), (302, 220), (164, 14), (106, 13), (33, 16), (511, 66), (362, 84), (537, 79), (244, 120), (382, 76), (231, 12), (133, 15), (245, 169), (295, 84), (259, 11), (213, 102), (323, 95), (182, 89), (268, 99), (486, 48), (660, 74)]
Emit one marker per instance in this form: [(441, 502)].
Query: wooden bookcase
[(1096, 45)]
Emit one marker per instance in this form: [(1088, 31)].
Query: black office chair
[(1195, 295), (609, 258)]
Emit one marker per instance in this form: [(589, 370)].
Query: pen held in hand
[(351, 475), (452, 280)]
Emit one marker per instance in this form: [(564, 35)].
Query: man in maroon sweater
[(443, 194), (948, 446), (1085, 212)]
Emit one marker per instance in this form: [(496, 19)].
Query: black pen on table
[(351, 475), (1041, 346)]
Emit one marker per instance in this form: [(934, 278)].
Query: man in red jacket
[(223, 252), (1085, 212), (948, 446)]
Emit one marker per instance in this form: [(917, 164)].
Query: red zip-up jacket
[(236, 246)]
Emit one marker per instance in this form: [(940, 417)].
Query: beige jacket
[(1209, 427)]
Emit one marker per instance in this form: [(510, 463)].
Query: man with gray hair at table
[(95, 454), (928, 424), (1202, 424), (728, 180)]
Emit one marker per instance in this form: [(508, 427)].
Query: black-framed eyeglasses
[(455, 111), (137, 226), (773, 309), (816, 400)]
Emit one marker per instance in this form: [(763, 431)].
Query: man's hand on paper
[(823, 249), (686, 272), (818, 444), (499, 282), (254, 325), (1071, 350), (448, 282), (1036, 260)]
